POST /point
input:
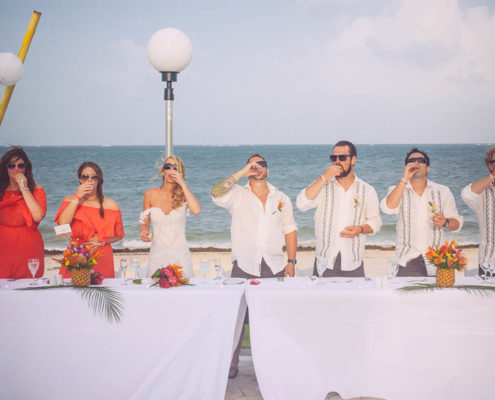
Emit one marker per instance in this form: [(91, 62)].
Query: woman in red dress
[(22, 207), (94, 219)]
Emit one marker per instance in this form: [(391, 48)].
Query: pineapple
[(81, 276), (445, 277)]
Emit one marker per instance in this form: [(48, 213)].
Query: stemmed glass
[(136, 266), (123, 267), (217, 264), (33, 265), (204, 264), (393, 265)]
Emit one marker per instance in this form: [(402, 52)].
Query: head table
[(311, 337), (172, 343)]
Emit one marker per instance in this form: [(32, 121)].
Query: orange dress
[(20, 239), (85, 224)]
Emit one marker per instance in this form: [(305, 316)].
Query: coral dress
[(85, 224), (20, 239)]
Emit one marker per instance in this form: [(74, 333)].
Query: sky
[(262, 72)]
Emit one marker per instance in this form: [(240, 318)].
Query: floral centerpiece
[(170, 276), (79, 260), (447, 259)]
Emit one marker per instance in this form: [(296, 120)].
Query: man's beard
[(262, 177), (344, 172)]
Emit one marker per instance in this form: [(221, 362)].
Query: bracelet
[(403, 181), (323, 178), (22, 188), (74, 201)]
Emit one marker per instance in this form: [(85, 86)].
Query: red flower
[(96, 278), (164, 283)]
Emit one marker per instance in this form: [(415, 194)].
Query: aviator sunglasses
[(13, 165), (421, 160), (341, 157), (85, 177), (169, 166)]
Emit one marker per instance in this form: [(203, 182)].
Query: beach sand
[(376, 261)]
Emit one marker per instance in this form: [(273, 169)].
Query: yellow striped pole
[(7, 94)]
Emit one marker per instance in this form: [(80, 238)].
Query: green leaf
[(480, 290)]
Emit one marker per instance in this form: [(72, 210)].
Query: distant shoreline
[(228, 250)]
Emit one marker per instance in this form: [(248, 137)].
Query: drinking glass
[(204, 264), (393, 265), (217, 264), (136, 266), (123, 267), (33, 265)]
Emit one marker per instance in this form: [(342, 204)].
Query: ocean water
[(129, 172)]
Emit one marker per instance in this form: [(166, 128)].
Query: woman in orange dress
[(94, 219), (22, 207)]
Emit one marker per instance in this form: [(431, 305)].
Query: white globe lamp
[(169, 52)]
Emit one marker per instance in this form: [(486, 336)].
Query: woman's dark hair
[(11, 155), (99, 190)]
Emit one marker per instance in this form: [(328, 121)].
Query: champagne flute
[(33, 265), (123, 267), (136, 266), (204, 264), (217, 264)]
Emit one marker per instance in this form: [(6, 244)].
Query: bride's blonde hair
[(178, 196)]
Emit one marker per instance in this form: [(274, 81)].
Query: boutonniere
[(356, 202), (280, 206), (433, 207)]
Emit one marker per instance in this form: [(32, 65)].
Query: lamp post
[(169, 52)]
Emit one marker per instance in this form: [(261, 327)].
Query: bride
[(166, 207)]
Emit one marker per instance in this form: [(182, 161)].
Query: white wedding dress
[(169, 245)]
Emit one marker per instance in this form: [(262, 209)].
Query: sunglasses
[(491, 162), (261, 163), (85, 177), (169, 166), (13, 165), (421, 160), (341, 157)]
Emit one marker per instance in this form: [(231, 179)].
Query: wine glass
[(123, 267), (393, 265), (136, 266), (217, 264), (33, 265), (204, 264)]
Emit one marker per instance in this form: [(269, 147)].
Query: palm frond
[(104, 301), (481, 290)]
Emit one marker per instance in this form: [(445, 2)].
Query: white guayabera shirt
[(335, 210), (415, 229), (256, 232), (483, 205)]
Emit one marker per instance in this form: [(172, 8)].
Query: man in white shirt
[(423, 209), (480, 197), (346, 211), (262, 223)]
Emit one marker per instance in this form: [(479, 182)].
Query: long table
[(309, 338), (170, 344)]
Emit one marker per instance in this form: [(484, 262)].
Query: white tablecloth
[(311, 338), (171, 343)]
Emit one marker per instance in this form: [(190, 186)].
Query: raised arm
[(312, 190), (393, 198), (478, 186), (224, 186), (192, 202), (34, 207)]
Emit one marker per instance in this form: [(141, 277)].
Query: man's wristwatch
[(292, 261)]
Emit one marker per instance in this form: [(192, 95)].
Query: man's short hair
[(416, 150), (256, 155), (489, 153), (352, 148)]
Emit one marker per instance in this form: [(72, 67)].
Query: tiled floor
[(245, 385)]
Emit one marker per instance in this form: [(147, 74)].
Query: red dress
[(85, 224), (20, 239)]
